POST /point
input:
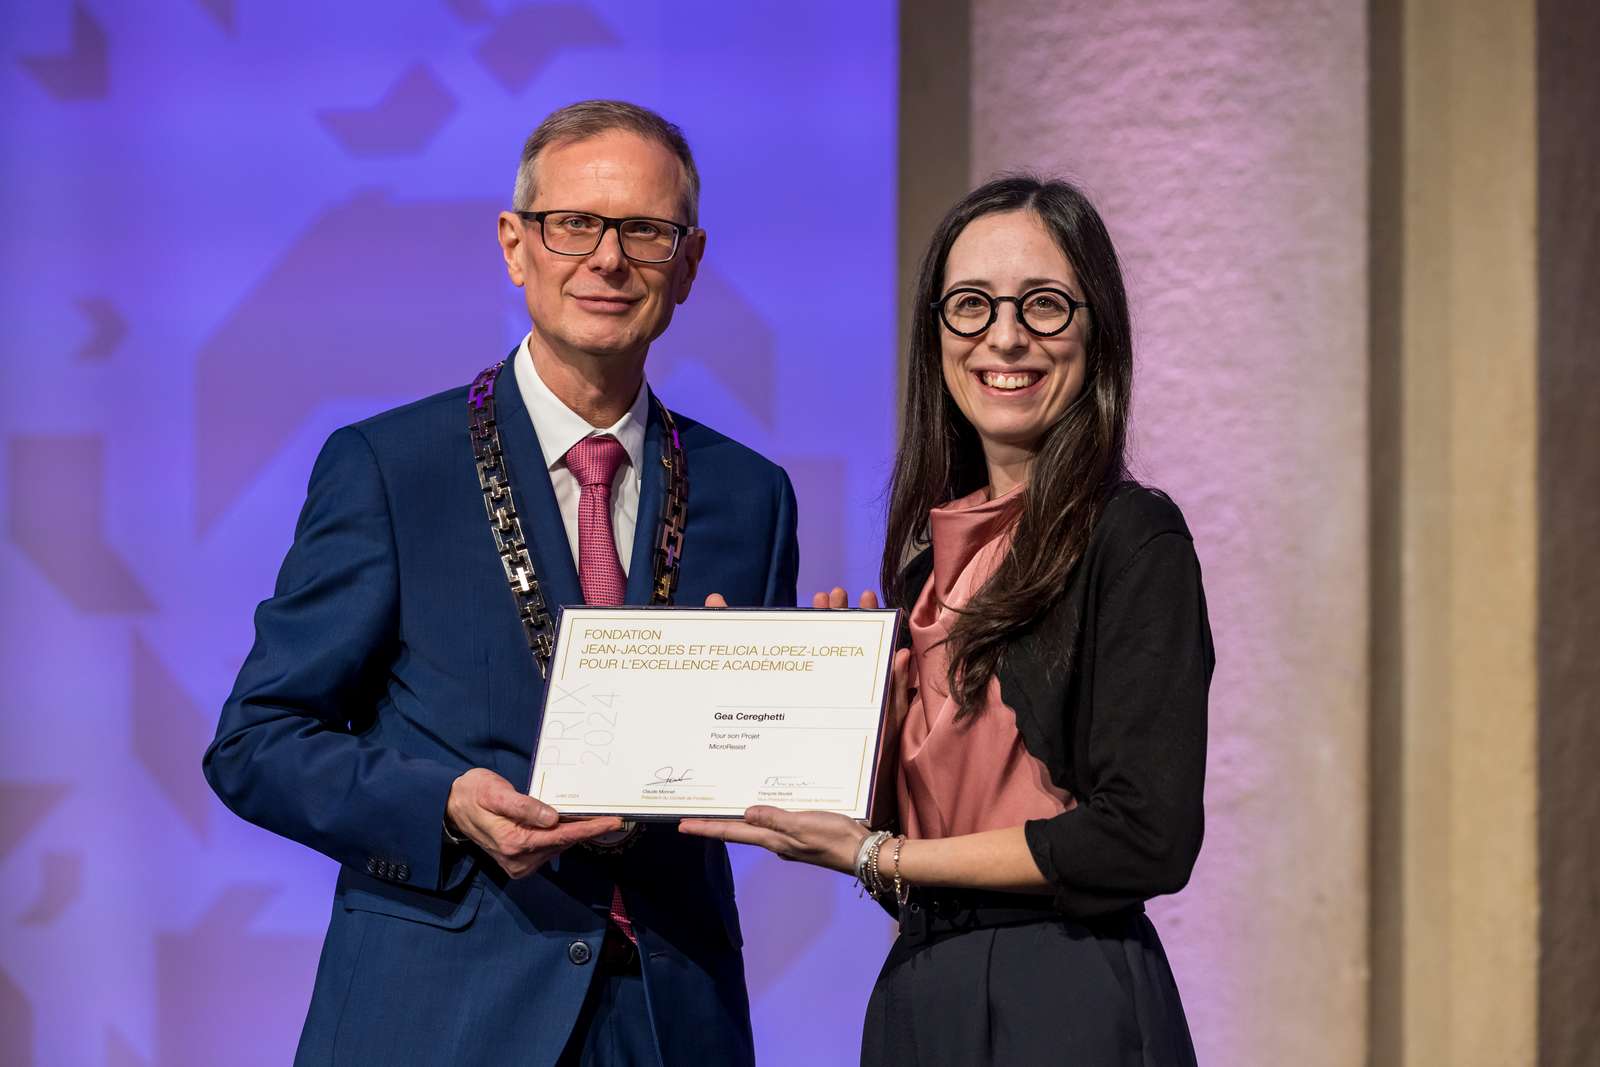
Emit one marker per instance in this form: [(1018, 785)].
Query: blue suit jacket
[(390, 660)]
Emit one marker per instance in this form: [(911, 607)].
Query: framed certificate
[(668, 713)]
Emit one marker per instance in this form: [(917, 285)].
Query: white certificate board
[(669, 713)]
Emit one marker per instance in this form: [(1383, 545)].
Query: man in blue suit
[(387, 713)]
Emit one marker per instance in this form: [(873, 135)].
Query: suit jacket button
[(372, 866), (402, 872), (579, 952)]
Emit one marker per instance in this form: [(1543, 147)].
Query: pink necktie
[(594, 462)]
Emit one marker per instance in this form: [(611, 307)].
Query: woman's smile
[(1010, 384)]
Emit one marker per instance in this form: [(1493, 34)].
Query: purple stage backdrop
[(230, 226)]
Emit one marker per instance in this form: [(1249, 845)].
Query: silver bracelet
[(867, 852), (863, 849)]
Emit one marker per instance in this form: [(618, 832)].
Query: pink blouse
[(961, 779)]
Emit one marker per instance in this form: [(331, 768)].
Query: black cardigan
[(1121, 722)]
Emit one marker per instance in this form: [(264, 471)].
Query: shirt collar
[(558, 427)]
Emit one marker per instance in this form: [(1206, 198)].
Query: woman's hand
[(900, 690), (900, 685), (821, 838), (885, 799), (885, 795)]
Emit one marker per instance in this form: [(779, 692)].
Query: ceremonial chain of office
[(495, 481)]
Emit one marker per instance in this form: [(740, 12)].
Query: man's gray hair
[(590, 118)]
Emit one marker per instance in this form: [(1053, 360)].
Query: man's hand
[(515, 830), (838, 598)]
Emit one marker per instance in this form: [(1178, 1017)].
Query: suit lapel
[(536, 501), (652, 491)]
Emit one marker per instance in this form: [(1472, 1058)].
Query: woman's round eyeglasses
[(1045, 311), (579, 233)]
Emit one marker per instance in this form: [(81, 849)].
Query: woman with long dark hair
[(1049, 715)]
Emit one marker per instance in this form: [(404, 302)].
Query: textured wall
[(1225, 142)]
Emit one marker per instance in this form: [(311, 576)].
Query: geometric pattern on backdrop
[(231, 226)]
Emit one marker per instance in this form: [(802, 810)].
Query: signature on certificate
[(788, 781), (670, 775)]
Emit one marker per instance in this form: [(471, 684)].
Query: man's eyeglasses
[(1045, 311), (579, 233)]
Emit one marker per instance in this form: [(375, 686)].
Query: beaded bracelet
[(874, 875), (902, 888)]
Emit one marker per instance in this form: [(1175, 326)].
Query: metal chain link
[(533, 611), (674, 513)]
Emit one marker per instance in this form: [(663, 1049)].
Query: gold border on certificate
[(699, 722)]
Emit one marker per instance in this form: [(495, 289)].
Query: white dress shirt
[(558, 428)]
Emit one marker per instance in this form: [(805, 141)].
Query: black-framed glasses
[(579, 233), (1045, 311)]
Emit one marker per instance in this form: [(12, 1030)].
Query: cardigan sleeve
[(1135, 832)]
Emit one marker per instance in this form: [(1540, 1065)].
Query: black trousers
[(1047, 991)]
